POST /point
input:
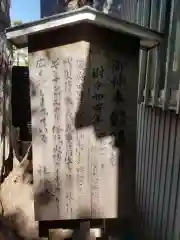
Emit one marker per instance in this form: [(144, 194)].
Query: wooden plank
[(60, 234), (68, 233), (84, 109), (84, 233)]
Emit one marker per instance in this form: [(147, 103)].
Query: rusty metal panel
[(84, 130), (158, 171)]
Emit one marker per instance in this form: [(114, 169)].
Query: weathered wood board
[(85, 103)]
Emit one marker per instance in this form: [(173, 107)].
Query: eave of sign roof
[(18, 35)]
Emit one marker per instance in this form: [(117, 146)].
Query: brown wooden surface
[(84, 131)]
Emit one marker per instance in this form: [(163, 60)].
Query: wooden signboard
[(83, 120)]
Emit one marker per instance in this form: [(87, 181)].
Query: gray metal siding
[(157, 174), (50, 7), (124, 9)]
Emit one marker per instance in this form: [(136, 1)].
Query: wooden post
[(85, 230)]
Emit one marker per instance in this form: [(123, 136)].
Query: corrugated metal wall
[(158, 133), (158, 173)]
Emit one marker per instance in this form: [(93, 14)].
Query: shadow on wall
[(105, 111)]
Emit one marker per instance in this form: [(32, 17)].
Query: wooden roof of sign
[(18, 35)]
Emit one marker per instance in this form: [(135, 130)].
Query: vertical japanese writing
[(83, 114), (57, 145), (56, 130), (80, 79), (118, 73), (57, 188), (43, 174), (56, 90), (43, 124), (97, 119), (118, 81), (94, 182), (80, 170), (68, 64), (44, 183), (118, 113), (80, 177), (40, 65), (98, 96)]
